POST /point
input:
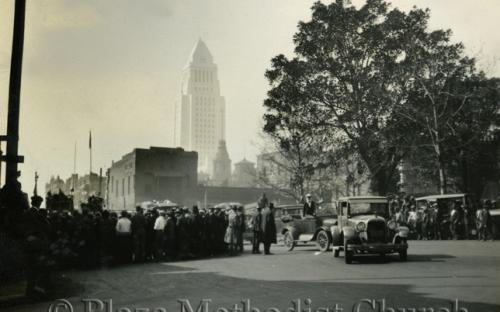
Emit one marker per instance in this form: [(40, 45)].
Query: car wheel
[(336, 252), (288, 241), (348, 254), (403, 255), (323, 241)]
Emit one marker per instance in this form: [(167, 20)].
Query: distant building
[(221, 166), (200, 113), (275, 171), (271, 171), (212, 195), (156, 173), (86, 186), (244, 174), (55, 185), (79, 188)]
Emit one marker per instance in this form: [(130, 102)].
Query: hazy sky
[(114, 66)]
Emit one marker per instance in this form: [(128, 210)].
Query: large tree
[(348, 76), (376, 82), (452, 105)]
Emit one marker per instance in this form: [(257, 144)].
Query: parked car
[(445, 204), (310, 229), (364, 227), (279, 212)]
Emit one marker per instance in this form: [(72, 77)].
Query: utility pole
[(12, 157)]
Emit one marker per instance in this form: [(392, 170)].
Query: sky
[(115, 66)]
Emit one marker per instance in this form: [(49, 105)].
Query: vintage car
[(364, 228), (445, 203), (309, 229)]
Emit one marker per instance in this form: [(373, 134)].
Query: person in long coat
[(256, 227), (170, 230), (231, 236), (241, 228), (139, 235), (268, 228)]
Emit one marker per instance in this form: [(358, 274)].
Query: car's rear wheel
[(288, 241), (403, 255), (348, 254), (323, 241)]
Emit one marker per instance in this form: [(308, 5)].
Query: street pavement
[(437, 275)]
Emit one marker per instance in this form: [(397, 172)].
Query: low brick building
[(156, 173)]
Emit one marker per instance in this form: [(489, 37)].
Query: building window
[(128, 185), (116, 192), (123, 187)]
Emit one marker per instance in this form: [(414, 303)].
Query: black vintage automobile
[(364, 228), (310, 229)]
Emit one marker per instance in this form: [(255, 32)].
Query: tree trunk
[(465, 172), (441, 170), (382, 180)]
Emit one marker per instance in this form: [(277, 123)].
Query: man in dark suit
[(268, 228), (309, 207), (256, 227)]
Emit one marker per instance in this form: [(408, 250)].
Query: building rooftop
[(200, 54)]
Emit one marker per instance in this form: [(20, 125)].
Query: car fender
[(349, 233), (336, 236), (401, 233)]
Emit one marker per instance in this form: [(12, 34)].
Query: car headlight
[(361, 227), (392, 225)]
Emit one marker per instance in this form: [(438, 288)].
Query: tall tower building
[(200, 113), (221, 166)]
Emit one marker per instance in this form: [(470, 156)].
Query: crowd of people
[(433, 221), (90, 239)]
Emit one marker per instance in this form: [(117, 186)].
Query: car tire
[(288, 241), (403, 255), (336, 252), (323, 241), (348, 254)]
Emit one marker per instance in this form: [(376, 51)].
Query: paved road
[(436, 274)]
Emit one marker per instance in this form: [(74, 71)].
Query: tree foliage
[(374, 82)]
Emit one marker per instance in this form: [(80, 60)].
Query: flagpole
[(74, 159), (90, 150), (74, 168), (205, 199), (90, 173)]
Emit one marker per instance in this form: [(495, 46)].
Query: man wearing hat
[(170, 230), (309, 207), (268, 228), (483, 221), (159, 228), (139, 234), (456, 219), (123, 237), (257, 231)]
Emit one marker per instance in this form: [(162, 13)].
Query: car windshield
[(368, 208)]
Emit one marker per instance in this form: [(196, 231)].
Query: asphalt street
[(437, 275)]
